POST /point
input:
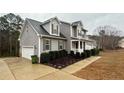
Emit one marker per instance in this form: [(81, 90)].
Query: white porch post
[(71, 45), (39, 46), (79, 46)]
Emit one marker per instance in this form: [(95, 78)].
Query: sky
[(90, 20)]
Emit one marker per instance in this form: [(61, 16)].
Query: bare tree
[(108, 37)]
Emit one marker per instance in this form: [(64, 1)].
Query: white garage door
[(27, 52)]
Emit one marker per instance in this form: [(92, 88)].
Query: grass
[(109, 67)]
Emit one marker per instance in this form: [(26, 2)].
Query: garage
[(27, 52)]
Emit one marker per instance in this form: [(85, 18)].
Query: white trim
[(71, 44), (54, 37), (79, 45), (27, 46), (39, 46)]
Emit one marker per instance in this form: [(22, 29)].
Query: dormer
[(55, 27), (52, 26), (77, 30)]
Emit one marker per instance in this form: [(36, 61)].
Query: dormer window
[(55, 29), (79, 32), (74, 31)]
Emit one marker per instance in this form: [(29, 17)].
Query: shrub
[(88, 53), (63, 53), (72, 53), (77, 55), (82, 55), (34, 59), (52, 55), (93, 52), (57, 54), (85, 54), (45, 57), (97, 51)]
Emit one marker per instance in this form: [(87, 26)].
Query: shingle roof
[(40, 29), (76, 23)]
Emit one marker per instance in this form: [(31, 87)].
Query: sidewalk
[(79, 65), (23, 69)]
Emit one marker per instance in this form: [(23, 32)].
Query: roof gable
[(77, 23), (51, 19), (38, 27)]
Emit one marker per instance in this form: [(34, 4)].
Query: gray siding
[(65, 30), (29, 38), (54, 45)]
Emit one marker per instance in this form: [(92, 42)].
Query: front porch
[(77, 46)]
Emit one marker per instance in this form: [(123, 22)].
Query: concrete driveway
[(23, 69)]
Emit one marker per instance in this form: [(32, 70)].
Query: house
[(53, 35)]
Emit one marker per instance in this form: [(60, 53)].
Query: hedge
[(72, 53), (88, 53), (83, 55), (45, 57), (78, 55), (52, 55), (93, 52)]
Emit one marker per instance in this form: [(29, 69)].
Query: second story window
[(74, 31), (55, 29), (79, 34)]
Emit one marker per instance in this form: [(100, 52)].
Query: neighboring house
[(53, 35), (121, 43)]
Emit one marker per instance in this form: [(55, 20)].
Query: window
[(79, 34), (54, 29), (46, 44), (74, 31), (61, 45)]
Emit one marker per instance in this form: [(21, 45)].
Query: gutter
[(54, 37)]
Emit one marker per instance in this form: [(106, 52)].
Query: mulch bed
[(62, 62)]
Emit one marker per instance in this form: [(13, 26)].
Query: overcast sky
[(90, 20)]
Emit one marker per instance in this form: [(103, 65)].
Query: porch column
[(71, 45), (79, 46)]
